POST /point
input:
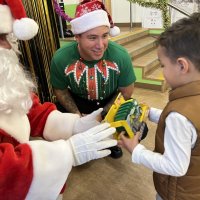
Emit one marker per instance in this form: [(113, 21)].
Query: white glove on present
[(84, 123), (91, 144)]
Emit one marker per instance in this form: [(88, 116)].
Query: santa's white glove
[(91, 144), (84, 123)]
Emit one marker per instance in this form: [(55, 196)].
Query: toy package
[(128, 116)]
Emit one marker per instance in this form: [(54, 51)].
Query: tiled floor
[(120, 179)]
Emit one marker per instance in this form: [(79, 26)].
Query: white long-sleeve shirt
[(176, 157)]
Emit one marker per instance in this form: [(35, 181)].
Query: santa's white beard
[(15, 85)]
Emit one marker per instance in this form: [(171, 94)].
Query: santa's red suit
[(26, 167), (37, 169)]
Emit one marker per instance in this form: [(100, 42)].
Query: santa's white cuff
[(59, 125)]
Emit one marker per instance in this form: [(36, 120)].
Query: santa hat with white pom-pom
[(91, 14), (13, 19)]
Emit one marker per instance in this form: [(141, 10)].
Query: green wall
[(70, 10)]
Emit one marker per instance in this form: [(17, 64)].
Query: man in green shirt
[(90, 72)]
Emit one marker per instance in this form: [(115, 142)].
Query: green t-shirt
[(92, 79)]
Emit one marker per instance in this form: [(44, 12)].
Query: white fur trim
[(89, 21), (59, 125), (16, 125), (114, 31), (52, 162), (6, 19), (60, 197), (25, 28)]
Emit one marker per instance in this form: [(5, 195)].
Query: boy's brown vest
[(186, 101)]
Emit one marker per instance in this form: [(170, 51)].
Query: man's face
[(4, 42), (93, 43)]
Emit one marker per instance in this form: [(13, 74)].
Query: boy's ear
[(183, 64)]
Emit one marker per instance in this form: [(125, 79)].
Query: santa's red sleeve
[(47, 122), (38, 115), (33, 170)]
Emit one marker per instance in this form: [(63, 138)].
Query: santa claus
[(38, 169)]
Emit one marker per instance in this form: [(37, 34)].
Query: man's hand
[(92, 144), (88, 121)]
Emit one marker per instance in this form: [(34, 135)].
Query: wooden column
[(37, 53)]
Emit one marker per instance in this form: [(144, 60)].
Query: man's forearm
[(125, 91), (66, 100), (109, 104)]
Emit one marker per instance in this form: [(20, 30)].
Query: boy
[(176, 157)]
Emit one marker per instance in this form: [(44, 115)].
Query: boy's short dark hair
[(182, 39)]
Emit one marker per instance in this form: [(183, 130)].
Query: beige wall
[(108, 6)]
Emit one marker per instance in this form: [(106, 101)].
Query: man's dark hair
[(182, 39)]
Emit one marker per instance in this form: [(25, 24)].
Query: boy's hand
[(127, 143)]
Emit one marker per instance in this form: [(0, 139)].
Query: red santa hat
[(91, 14), (13, 19)]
